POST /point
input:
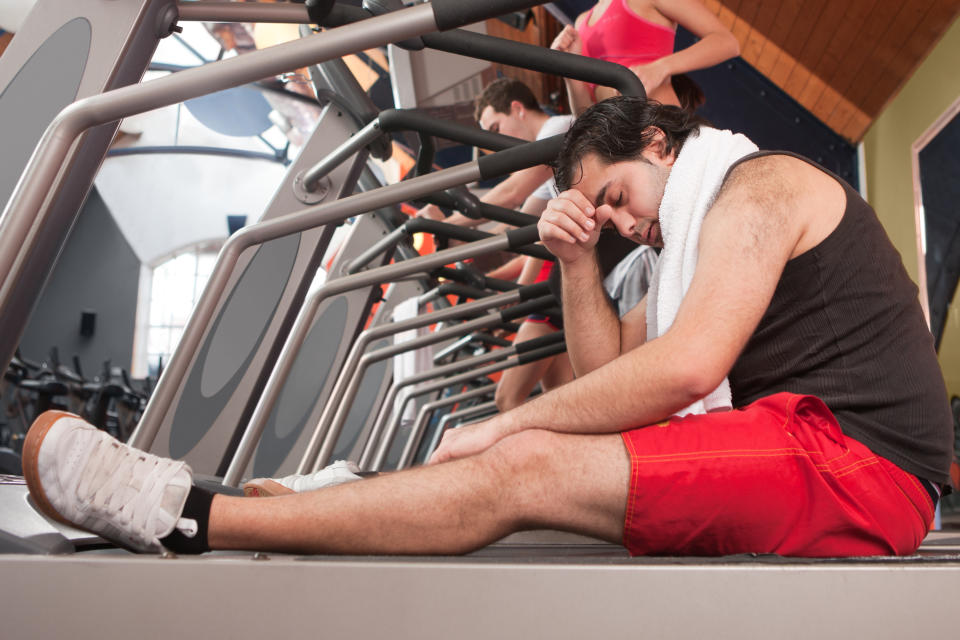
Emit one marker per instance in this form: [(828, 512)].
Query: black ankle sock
[(197, 507)]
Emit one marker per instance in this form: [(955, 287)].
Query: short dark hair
[(619, 129), (500, 93)]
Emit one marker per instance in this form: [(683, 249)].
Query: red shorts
[(544, 274), (555, 323), (777, 476)]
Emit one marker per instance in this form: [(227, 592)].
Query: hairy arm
[(745, 241)]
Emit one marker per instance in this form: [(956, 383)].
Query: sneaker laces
[(109, 487)]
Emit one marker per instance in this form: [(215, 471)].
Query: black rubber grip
[(496, 284), (526, 308), (518, 240), (462, 291), (531, 291), (443, 229), (529, 345), (413, 120), (319, 10), (517, 54), (450, 14), (539, 354), (523, 236), (479, 209), (521, 157), (504, 215), (342, 14), (456, 275)]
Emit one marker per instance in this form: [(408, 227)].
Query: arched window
[(174, 286)]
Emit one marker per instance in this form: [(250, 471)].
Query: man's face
[(508, 124), (628, 194)]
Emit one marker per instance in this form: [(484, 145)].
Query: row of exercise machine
[(270, 378)]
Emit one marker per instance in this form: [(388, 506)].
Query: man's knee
[(532, 451)]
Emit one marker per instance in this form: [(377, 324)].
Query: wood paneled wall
[(842, 60)]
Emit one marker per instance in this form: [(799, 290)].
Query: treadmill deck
[(531, 585)]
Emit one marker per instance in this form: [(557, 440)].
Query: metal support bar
[(475, 411), (357, 141), (287, 13)]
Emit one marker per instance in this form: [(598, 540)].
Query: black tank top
[(846, 326)]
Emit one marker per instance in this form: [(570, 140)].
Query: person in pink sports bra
[(639, 34)]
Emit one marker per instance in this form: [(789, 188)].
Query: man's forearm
[(592, 329), (642, 387)]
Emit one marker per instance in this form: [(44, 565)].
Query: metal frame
[(335, 400), (338, 406), (381, 438), (424, 415)]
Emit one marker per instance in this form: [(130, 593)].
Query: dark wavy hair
[(500, 93), (620, 129)]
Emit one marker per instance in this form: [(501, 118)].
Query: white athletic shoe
[(82, 476), (339, 472)]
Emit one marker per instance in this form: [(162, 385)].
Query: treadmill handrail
[(516, 54), (435, 227)]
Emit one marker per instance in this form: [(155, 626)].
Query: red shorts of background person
[(777, 476)]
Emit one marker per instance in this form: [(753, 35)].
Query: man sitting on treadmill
[(778, 392)]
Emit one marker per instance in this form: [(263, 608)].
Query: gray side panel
[(122, 39), (47, 83), (227, 374), (369, 396), (308, 378), (309, 384), (232, 343)]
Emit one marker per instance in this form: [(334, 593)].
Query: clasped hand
[(466, 441), (570, 225)]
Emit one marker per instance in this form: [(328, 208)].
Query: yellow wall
[(930, 92)]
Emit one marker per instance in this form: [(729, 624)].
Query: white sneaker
[(339, 472), (82, 476)]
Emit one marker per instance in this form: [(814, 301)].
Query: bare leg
[(516, 383), (558, 373), (536, 479)]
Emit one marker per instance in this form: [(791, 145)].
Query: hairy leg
[(535, 479)]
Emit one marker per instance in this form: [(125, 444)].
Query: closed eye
[(619, 200)]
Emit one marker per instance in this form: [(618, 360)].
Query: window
[(175, 287)]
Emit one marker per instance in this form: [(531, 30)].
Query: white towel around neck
[(692, 187)]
